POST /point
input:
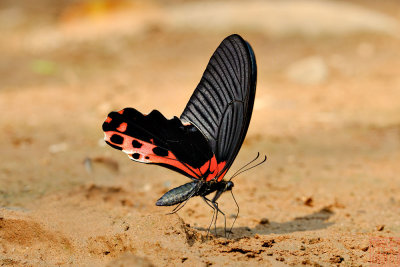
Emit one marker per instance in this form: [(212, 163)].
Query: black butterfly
[(203, 143)]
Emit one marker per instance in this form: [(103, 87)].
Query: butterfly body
[(182, 193), (205, 140), (178, 194)]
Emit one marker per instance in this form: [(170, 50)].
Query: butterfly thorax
[(210, 187)]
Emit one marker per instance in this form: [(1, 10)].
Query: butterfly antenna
[(240, 171), (237, 214), (258, 154)]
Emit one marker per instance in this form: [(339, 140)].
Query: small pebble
[(336, 259), (309, 202), (268, 244), (365, 248)]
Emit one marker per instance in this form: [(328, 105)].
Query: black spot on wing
[(136, 144), (117, 139), (160, 151), (135, 155)]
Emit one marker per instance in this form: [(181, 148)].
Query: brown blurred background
[(327, 114)]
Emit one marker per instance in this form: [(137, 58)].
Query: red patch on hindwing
[(119, 135), (214, 169), (122, 127), (145, 152)]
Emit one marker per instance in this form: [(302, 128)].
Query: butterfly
[(205, 140)]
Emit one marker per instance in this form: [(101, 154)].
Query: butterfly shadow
[(315, 221)]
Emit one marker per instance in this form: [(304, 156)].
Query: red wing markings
[(213, 168), (122, 127), (145, 152), (221, 176), (108, 120)]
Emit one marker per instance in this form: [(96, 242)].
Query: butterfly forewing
[(222, 104)]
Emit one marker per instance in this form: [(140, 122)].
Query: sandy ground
[(327, 115)]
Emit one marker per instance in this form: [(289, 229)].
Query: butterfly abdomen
[(178, 194)]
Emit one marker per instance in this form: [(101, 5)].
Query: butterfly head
[(229, 185)]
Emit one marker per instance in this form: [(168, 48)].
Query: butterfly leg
[(214, 210), (215, 204), (177, 208), (216, 216), (237, 214)]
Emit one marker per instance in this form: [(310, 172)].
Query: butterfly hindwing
[(154, 139), (222, 104)]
